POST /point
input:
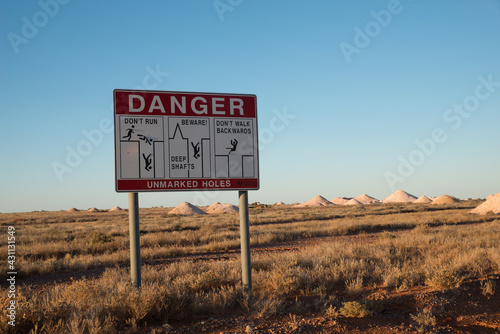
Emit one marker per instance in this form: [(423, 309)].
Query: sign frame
[(226, 146)]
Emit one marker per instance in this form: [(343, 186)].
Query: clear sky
[(354, 97)]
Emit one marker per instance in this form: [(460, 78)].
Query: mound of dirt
[(365, 199), (423, 200), (490, 197), (491, 205), (280, 203), (223, 208), (340, 200), (116, 208), (353, 201), (93, 210), (187, 209), (73, 210), (446, 199), (213, 205), (316, 201), (400, 196)]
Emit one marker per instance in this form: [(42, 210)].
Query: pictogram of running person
[(130, 131)]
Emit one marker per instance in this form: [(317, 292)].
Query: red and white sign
[(168, 141)]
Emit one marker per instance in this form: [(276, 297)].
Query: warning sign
[(185, 141)]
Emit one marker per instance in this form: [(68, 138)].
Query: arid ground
[(379, 268)]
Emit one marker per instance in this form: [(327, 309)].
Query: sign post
[(246, 269), (185, 141), (135, 246)]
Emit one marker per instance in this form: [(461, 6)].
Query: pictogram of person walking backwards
[(234, 142)]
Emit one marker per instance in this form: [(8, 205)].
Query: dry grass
[(60, 241), (440, 247)]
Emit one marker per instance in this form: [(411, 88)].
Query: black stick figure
[(196, 148), (129, 133), (148, 161), (234, 142), (146, 139)]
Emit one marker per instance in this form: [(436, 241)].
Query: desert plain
[(409, 266)]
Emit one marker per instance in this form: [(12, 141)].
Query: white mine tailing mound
[(223, 208), (400, 196), (491, 205), (116, 208), (93, 210), (280, 203), (73, 210), (446, 199), (340, 200), (353, 201), (316, 201), (186, 208), (423, 200), (365, 199), (213, 205)]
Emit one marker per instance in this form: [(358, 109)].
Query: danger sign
[(185, 141)]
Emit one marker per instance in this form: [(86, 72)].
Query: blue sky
[(332, 122)]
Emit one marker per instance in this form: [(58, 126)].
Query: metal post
[(246, 272), (135, 246)]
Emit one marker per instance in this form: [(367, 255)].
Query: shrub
[(332, 312), (444, 278), (354, 286), (425, 321), (262, 304), (354, 310), (488, 287), (100, 238)]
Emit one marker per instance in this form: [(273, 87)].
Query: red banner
[(128, 102), (186, 184)]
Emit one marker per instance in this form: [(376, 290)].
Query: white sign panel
[(185, 141)]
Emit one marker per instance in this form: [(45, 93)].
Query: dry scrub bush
[(267, 305), (488, 288), (354, 286), (354, 310), (424, 320), (289, 273), (332, 312), (293, 323), (226, 297)]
